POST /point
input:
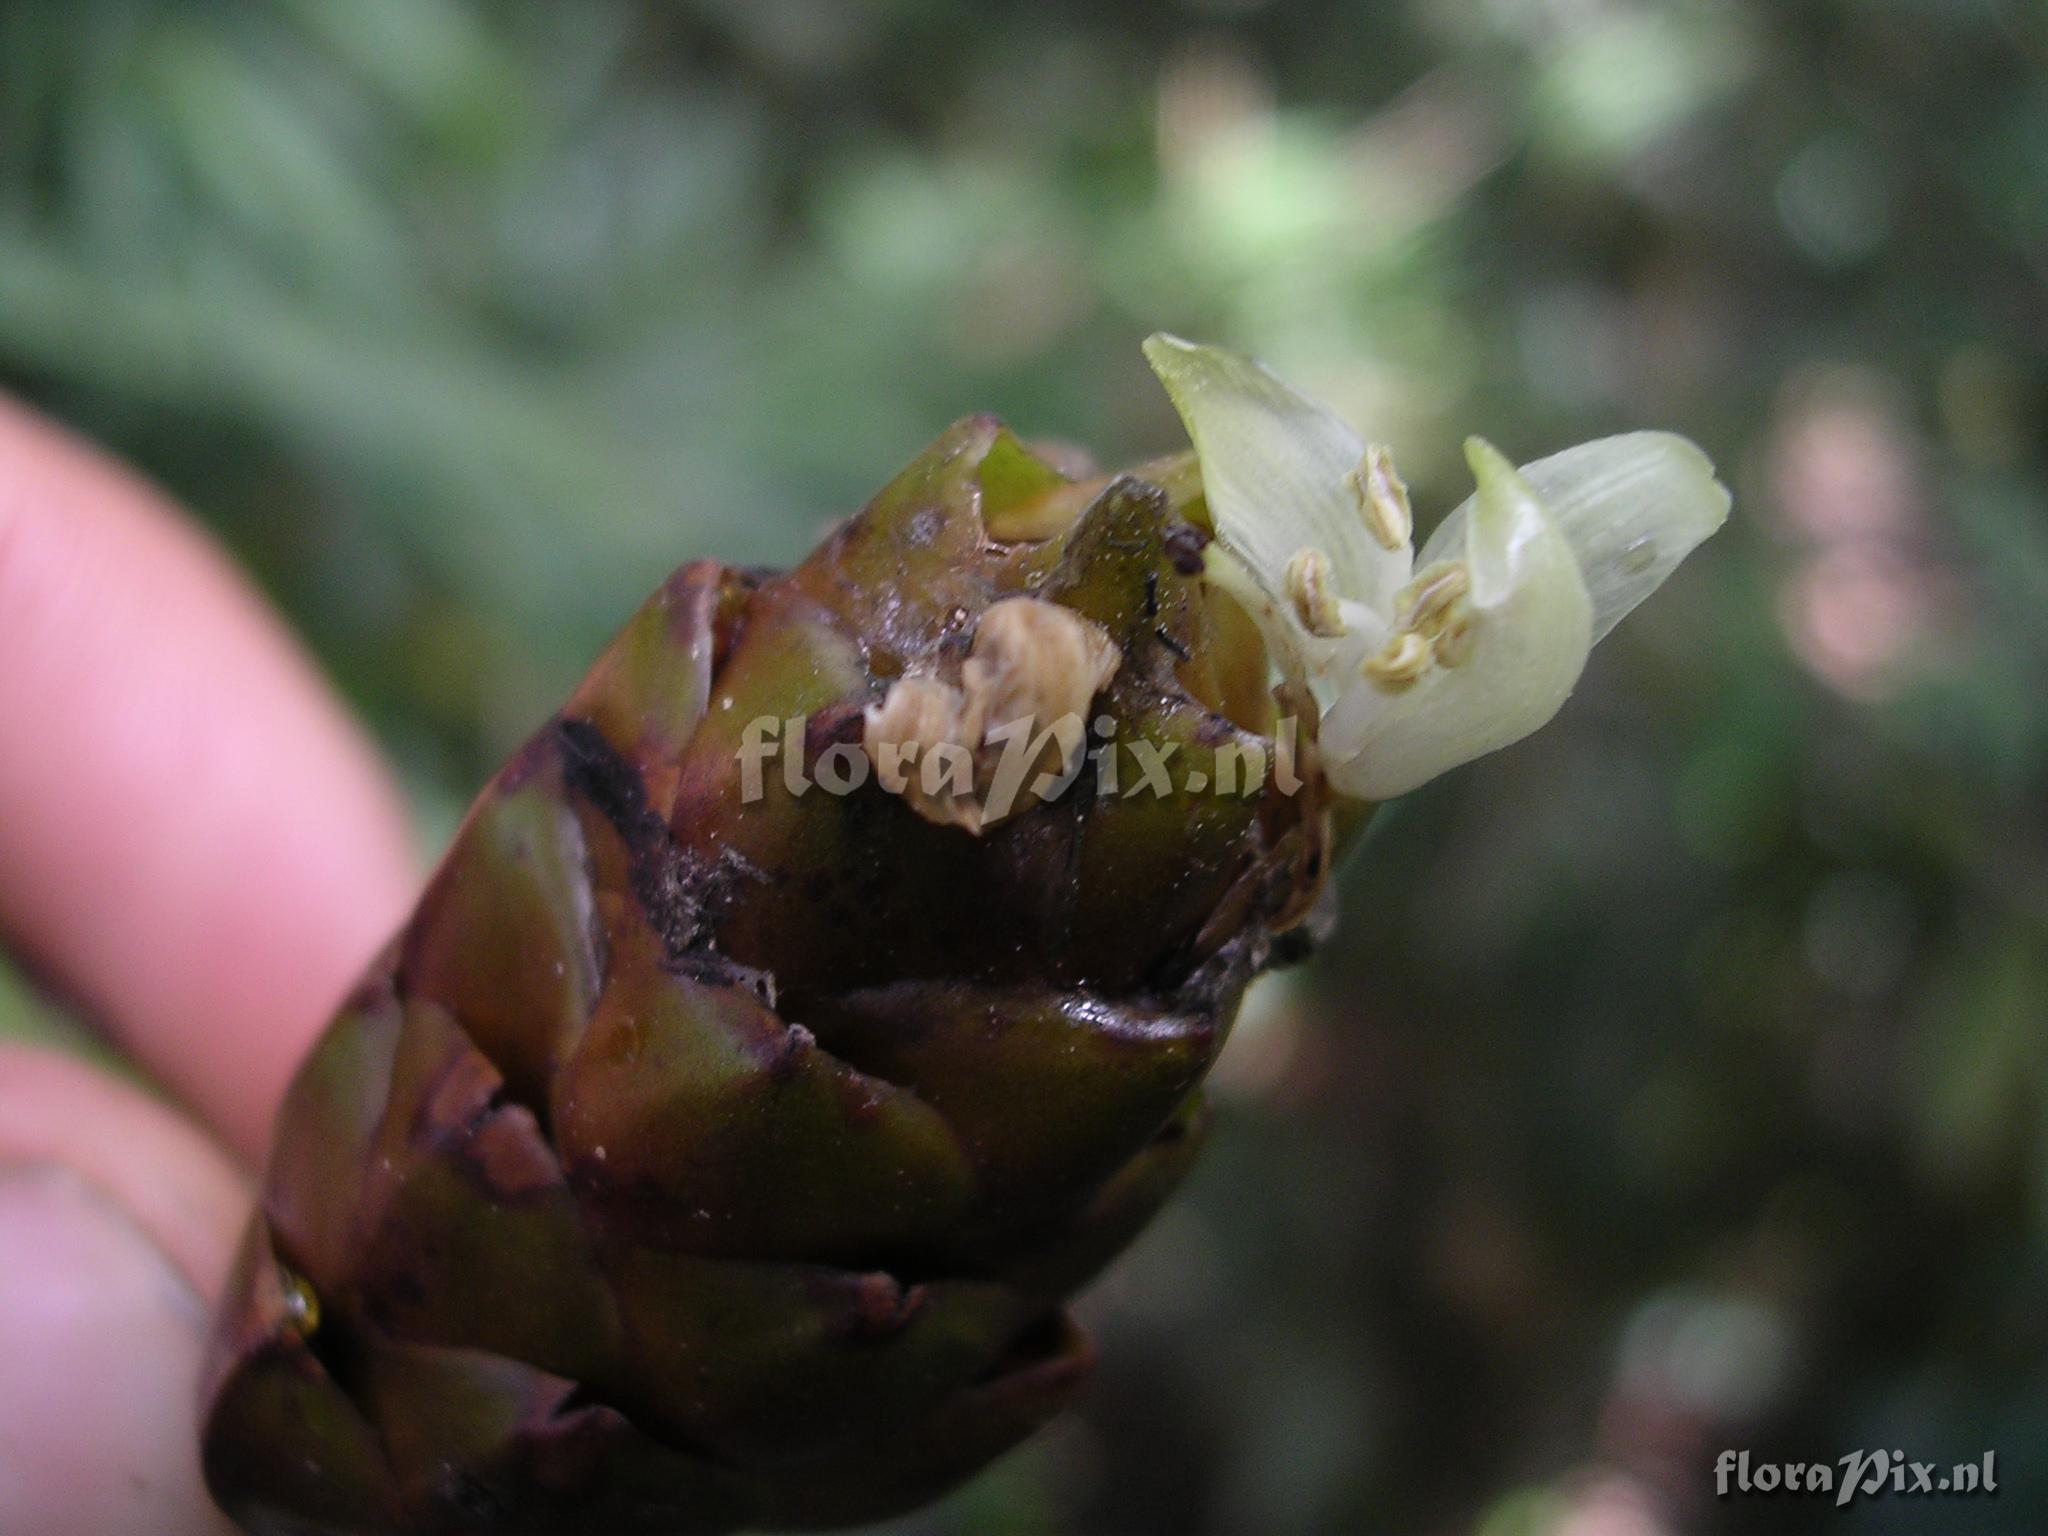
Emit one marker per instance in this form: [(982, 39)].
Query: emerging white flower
[(1422, 663)]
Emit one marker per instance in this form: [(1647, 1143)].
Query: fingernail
[(100, 1342)]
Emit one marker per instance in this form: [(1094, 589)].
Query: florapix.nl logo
[(1012, 764), (1858, 1475)]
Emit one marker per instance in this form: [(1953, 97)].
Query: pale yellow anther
[(1424, 602), (1399, 664), (1310, 587), (1382, 497), (1453, 644)]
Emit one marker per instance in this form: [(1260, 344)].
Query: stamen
[(1423, 603), (1309, 588), (1382, 497), (1453, 645), (1399, 664)]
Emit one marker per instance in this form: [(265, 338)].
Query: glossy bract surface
[(694, 1160)]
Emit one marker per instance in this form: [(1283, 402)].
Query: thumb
[(116, 1222)]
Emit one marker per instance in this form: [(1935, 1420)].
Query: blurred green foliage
[(1678, 1080)]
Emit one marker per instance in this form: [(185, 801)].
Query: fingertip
[(175, 1184), (118, 1221), (102, 1339)]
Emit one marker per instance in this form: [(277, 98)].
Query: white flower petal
[(1631, 507), (1531, 627), (1287, 642), (1326, 666), (1426, 676), (1273, 472)]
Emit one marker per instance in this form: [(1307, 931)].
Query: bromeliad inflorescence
[(708, 1153)]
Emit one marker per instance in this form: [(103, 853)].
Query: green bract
[(721, 1139)]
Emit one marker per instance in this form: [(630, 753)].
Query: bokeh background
[(1677, 1081)]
